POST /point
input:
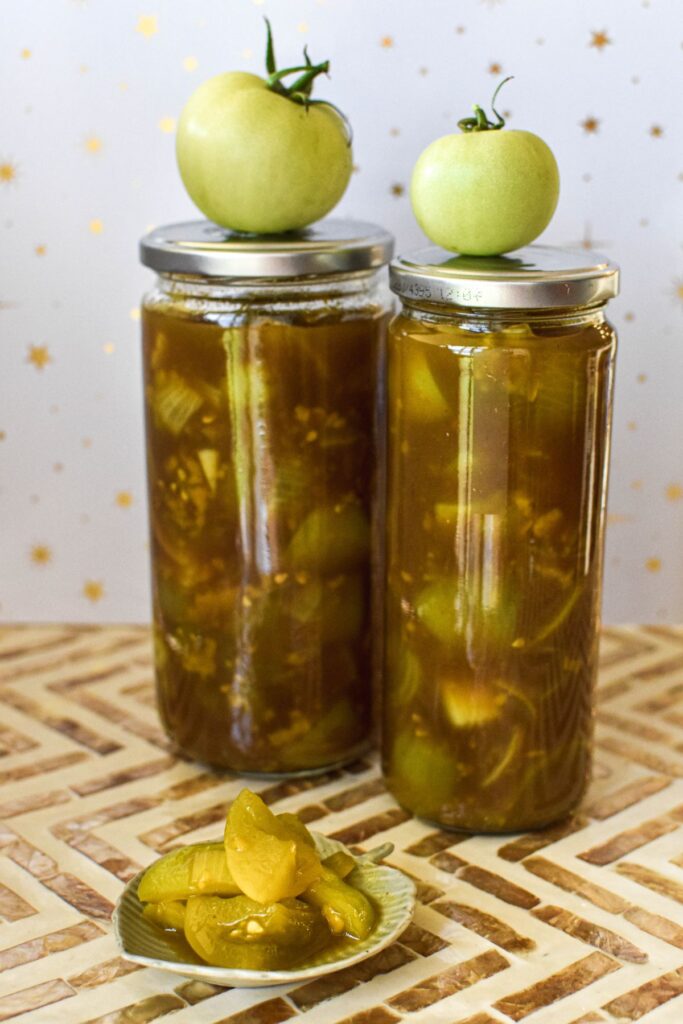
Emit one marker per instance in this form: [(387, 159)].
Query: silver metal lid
[(332, 246), (536, 277)]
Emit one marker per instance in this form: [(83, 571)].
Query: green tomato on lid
[(486, 191), (257, 155)]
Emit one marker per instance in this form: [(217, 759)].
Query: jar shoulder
[(575, 331)]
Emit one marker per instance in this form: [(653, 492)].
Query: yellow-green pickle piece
[(169, 914), (242, 933), (341, 863), (331, 539), (195, 870), (347, 910), (268, 858)]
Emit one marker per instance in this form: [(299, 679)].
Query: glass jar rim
[(535, 277)]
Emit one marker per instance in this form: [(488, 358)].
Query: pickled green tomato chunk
[(189, 871), (417, 391), (269, 857), (497, 449), (167, 914), (261, 454), (330, 539), (450, 611), (347, 911), (242, 933)]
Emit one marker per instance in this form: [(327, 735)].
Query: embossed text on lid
[(535, 277)]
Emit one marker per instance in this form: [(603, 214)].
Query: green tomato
[(485, 192), (254, 160)]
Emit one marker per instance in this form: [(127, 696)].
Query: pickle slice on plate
[(243, 933), (169, 914), (346, 910), (201, 868), (267, 857)]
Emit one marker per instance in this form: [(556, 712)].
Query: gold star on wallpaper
[(460, 30), (495, 68), (41, 554), (387, 42), (397, 189), (677, 290), (134, 314), (600, 40), (93, 590), (39, 356), (656, 131), (8, 172), (302, 27), (109, 347), (590, 125), (147, 25), (93, 144), (124, 499), (653, 564), (167, 125), (615, 518), (96, 226), (674, 492), (40, 250), (588, 242), (25, 54)]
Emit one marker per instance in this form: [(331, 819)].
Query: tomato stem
[(299, 91), (304, 83), (270, 49), (480, 122)]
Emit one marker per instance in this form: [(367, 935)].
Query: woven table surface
[(582, 922)]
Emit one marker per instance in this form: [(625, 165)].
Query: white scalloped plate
[(392, 893)]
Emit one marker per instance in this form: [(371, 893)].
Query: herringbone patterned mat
[(580, 923)]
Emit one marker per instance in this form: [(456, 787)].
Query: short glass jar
[(263, 366), (499, 407)]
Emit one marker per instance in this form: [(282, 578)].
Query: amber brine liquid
[(498, 441), (262, 483)]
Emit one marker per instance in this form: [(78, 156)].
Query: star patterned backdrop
[(92, 90)]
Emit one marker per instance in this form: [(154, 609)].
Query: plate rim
[(234, 976)]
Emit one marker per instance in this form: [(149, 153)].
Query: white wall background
[(90, 90)]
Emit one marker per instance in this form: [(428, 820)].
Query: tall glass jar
[(499, 406), (262, 366)]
